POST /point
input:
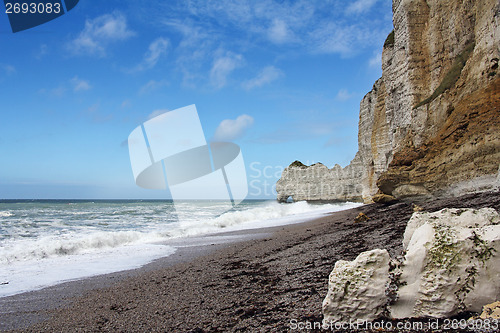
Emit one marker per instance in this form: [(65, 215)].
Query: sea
[(46, 242)]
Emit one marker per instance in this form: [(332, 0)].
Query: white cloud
[(79, 84), (222, 68), (279, 32), (265, 76), (152, 85), (239, 27), (376, 60), (332, 39), (360, 6), (194, 50), (255, 17), (282, 22), (345, 39), (296, 28), (100, 32), (155, 50), (344, 95), (231, 129)]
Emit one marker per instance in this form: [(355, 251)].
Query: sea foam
[(41, 245)]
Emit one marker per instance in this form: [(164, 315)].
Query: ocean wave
[(272, 211), (267, 215), (24, 276), (58, 237), (6, 213), (79, 213), (48, 247), (43, 245)]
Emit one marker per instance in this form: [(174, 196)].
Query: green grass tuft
[(389, 41), (297, 164)]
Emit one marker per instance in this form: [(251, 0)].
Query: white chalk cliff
[(431, 124)]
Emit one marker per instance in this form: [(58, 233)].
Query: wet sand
[(260, 284)]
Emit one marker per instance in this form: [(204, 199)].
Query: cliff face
[(317, 182), (431, 124)]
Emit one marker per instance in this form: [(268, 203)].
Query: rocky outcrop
[(317, 182), (451, 265), (430, 125), (384, 198), (357, 289)]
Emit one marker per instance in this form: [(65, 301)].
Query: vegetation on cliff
[(451, 76), (298, 164), (389, 41)]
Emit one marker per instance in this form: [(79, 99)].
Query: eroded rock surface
[(317, 182), (431, 124), (356, 289), (451, 265)]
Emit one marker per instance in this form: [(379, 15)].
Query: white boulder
[(357, 289), (452, 263)]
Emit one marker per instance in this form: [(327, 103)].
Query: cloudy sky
[(283, 79)]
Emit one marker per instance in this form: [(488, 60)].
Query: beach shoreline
[(24, 309), (265, 282)]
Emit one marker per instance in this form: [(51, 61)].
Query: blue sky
[(283, 79)]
